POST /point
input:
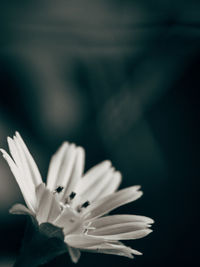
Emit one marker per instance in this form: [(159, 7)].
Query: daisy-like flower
[(77, 203)]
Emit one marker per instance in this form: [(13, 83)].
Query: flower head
[(75, 202)]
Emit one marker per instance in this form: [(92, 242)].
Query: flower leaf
[(41, 244)]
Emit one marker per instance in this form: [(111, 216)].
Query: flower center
[(68, 200), (70, 217)]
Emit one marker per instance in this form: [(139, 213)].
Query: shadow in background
[(121, 79)]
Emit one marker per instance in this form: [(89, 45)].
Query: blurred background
[(121, 79)]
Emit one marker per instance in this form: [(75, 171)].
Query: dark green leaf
[(40, 245)]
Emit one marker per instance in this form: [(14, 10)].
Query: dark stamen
[(85, 204), (72, 195), (59, 189)]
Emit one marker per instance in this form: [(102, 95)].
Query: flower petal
[(118, 228), (82, 240), (76, 173), (111, 186), (21, 163), (33, 169), (104, 185), (61, 167), (110, 202), (118, 219), (20, 209), (115, 249), (27, 191), (54, 166), (48, 206), (69, 220), (91, 178), (74, 254), (126, 235), (98, 182)]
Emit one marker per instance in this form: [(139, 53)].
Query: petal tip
[(137, 187), (80, 149), (151, 221), (2, 151), (107, 162), (148, 231), (17, 133), (9, 139), (65, 144)]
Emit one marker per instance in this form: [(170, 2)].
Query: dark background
[(121, 79)]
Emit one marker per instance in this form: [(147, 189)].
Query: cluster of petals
[(77, 203)]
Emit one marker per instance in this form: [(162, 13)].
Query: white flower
[(77, 203)]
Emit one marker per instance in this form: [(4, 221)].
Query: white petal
[(82, 241), (118, 219), (30, 161), (69, 220), (98, 182), (50, 210), (92, 180), (115, 249), (116, 229), (54, 166), (28, 194), (48, 206), (39, 191), (110, 202), (111, 186), (66, 166), (127, 235), (74, 254), (21, 163), (76, 173), (61, 166), (20, 209)]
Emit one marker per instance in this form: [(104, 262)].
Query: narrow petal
[(127, 235), (111, 186), (115, 249), (27, 192), (88, 186), (42, 193), (110, 202), (133, 251), (39, 191), (30, 161), (20, 209), (119, 219), (74, 254), (120, 228), (61, 166), (54, 166), (66, 166), (21, 163), (82, 241), (76, 173), (48, 206)]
